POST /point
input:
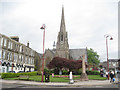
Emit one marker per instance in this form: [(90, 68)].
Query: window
[(3, 56), (0, 53), (9, 44), (8, 55), (17, 48), (25, 60), (5, 42), (32, 61), (20, 48), (19, 57), (14, 57), (16, 68), (29, 61), (61, 37), (1, 42), (22, 58)]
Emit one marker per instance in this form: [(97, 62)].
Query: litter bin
[(47, 78)]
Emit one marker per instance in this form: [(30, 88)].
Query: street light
[(43, 27), (106, 36)]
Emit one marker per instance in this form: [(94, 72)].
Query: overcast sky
[(87, 21)]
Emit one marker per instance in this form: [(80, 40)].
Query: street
[(14, 85)]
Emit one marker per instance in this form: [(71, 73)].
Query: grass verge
[(58, 79)]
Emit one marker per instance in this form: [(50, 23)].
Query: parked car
[(28, 71), (20, 72), (11, 72)]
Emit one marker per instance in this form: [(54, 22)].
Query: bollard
[(71, 78)]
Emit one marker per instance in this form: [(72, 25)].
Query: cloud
[(87, 21)]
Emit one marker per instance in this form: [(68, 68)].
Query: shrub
[(29, 73), (56, 71), (11, 75), (77, 72), (46, 71), (65, 72), (92, 72)]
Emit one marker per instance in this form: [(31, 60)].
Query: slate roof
[(76, 54)]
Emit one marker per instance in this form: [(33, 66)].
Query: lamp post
[(43, 27), (106, 36)]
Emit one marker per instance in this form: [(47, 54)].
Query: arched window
[(62, 37)]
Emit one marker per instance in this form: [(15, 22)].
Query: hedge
[(89, 72), (11, 75)]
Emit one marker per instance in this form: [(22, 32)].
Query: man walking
[(111, 76)]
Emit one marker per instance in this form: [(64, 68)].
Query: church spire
[(62, 46), (62, 26)]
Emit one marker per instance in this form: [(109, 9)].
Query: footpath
[(76, 83)]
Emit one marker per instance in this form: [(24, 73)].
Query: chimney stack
[(28, 44), (16, 38)]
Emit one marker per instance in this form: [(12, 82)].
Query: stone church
[(61, 48)]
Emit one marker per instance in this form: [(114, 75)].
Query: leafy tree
[(93, 57), (60, 63)]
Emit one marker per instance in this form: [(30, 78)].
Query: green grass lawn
[(59, 79)]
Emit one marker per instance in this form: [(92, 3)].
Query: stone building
[(15, 56), (62, 46), (113, 65)]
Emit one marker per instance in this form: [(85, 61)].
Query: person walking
[(106, 74), (111, 76)]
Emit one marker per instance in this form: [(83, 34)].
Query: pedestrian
[(111, 76), (113, 79), (106, 74)]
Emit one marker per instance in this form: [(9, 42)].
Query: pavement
[(76, 83)]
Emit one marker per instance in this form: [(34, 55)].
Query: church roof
[(76, 54)]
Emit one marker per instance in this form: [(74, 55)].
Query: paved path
[(78, 83)]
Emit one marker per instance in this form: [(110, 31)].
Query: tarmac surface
[(61, 84)]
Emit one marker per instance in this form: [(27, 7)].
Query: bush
[(56, 71), (11, 75), (65, 72), (92, 72), (29, 73), (77, 72), (46, 71)]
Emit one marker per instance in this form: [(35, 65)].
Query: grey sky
[(87, 21)]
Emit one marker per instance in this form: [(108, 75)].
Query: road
[(10, 85)]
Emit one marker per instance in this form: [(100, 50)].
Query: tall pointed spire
[(62, 26), (62, 46)]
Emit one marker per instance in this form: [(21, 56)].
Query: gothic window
[(62, 37)]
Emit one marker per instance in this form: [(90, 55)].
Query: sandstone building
[(15, 56)]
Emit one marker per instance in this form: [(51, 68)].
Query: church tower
[(62, 46)]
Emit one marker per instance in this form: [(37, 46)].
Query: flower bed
[(65, 76)]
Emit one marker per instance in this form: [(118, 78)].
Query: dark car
[(11, 72), (28, 71), (20, 72)]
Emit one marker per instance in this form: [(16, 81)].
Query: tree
[(93, 57), (60, 63)]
